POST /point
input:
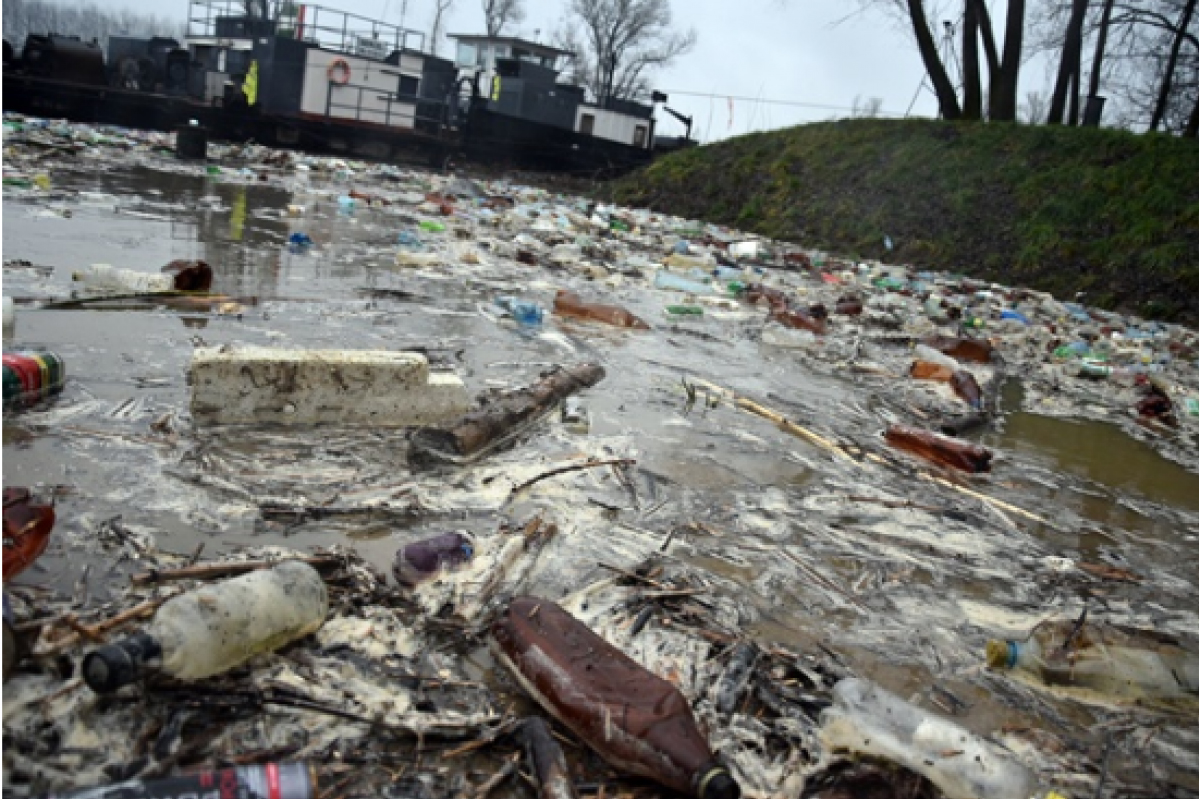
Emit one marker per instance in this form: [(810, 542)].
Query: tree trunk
[(988, 35), (1192, 129), (1068, 68), (972, 91), (946, 95), (1006, 84), (1075, 80), (1100, 45), (1163, 96)]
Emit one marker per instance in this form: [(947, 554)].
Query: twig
[(209, 571), (574, 467), (489, 737), (496, 779), (829, 585), (104, 627), (195, 555), (635, 576)]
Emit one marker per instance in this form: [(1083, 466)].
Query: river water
[(802, 539)]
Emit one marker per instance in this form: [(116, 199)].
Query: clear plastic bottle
[(926, 353), (216, 627), (869, 720), (1115, 661)]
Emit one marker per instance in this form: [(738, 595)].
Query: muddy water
[(905, 596)]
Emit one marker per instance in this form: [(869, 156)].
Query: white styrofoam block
[(248, 385)]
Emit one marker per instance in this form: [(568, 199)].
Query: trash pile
[(448, 486)]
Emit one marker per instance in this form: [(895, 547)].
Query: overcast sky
[(819, 56)]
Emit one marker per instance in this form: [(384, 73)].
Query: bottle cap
[(111, 666), (1001, 654), (717, 783)]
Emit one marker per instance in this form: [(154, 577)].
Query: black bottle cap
[(717, 783), (108, 668)]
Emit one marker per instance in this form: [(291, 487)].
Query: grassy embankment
[(1064, 210)]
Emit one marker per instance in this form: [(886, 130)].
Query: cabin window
[(587, 125), (409, 86), (639, 136), (468, 55)]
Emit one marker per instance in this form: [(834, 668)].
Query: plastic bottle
[(31, 376), (217, 627), (110, 278), (927, 370), (575, 416), (276, 781), (867, 720), (567, 303), (966, 387), (526, 314), (849, 306), (1116, 661), (423, 560), (672, 282), (800, 320), (930, 355), (940, 449), (27, 528), (635, 720), (964, 349)]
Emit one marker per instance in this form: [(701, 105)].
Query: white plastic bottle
[(868, 720), (216, 627), (107, 277)]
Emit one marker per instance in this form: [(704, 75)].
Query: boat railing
[(427, 115), (325, 27)]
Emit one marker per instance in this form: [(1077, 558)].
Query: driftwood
[(473, 433), (211, 571)]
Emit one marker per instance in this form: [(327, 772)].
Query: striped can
[(31, 376)]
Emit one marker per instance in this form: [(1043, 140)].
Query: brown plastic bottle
[(966, 387), (849, 306), (940, 449), (800, 320), (927, 370), (635, 720), (774, 297), (567, 303), (963, 349)]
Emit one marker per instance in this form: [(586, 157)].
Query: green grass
[(1059, 209)]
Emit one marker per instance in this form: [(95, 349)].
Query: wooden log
[(470, 435)]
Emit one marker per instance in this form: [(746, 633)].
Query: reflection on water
[(1101, 453)]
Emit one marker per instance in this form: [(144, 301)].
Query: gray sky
[(796, 51)]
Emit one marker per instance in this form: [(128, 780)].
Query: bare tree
[(499, 13), (1036, 107), (440, 9), (1070, 67), (1163, 97), (87, 20), (869, 108), (622, 41), (1003, 70)]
